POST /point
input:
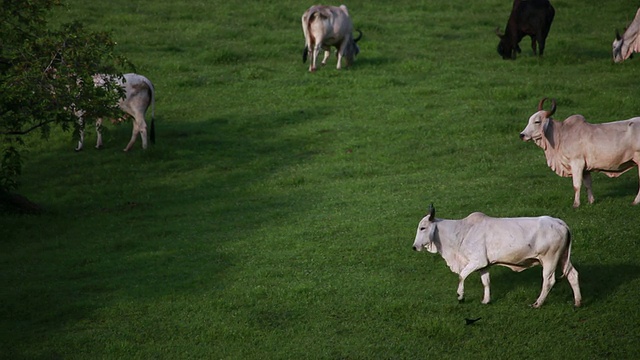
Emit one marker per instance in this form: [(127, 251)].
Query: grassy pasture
[(274, 217)]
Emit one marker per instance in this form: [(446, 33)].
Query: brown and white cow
[(327, 26), (140, 94), (478, 241), (575, 147), (624, 46)]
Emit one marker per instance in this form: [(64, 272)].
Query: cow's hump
[(575, 120), (476, 217)]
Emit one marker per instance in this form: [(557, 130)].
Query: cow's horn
[(553, 108), (618, 37), (432, 212), (498, 32), (359, 36), (541, 103)]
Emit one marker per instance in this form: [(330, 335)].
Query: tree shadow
[(176, 205)]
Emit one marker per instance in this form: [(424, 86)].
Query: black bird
[(471, 321)]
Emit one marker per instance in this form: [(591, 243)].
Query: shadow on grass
[(141, 226), (373, 61), (597, 282), (623, 187)]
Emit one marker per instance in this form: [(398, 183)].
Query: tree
[(45, 76)]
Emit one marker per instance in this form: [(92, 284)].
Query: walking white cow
[(326, 26), (140, 94), (624, 46), (575, 147), (478, 241)]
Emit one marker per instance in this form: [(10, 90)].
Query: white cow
[(478, 241), (140, 94), (624, 46), (575, 147), (326, 26)]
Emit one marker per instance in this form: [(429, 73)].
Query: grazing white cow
[(575, 147), (478, 241), (326, 26), (624, 46), (140, 94)]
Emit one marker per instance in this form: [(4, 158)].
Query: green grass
[(274, 217)]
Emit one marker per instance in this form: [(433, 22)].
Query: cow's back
[(517, 236), (604, 146)]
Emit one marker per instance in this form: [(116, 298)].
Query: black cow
[(528, 17)]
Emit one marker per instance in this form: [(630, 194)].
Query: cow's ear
[(432, 213), (545, 125)]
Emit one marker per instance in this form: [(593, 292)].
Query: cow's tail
[(306, 18), (309, 17), (152, 127), (566, 256)]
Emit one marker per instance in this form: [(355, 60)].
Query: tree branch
[(24, 132)]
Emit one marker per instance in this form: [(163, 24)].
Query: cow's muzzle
[(523, 137)]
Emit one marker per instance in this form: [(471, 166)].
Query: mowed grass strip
[(275, 215)]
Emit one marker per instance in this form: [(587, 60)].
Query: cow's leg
[(99, 133), (80, 133), (139, 127), (548, 280), (636, 201), (577, 183), (327, 53), (586, 180), (460, 290), (314, 57), (466, 271), (143, 132), (342, 50), (572, 276), (486, 282), (533, 45)]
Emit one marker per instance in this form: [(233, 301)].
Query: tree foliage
[(45, 77)]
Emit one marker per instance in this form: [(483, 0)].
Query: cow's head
[(617, 48), (505, 48), (352, 49), (538, 122), (426, 232)]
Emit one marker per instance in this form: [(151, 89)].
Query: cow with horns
[(575, 147), (327, 26), (528, 17), (139, 95), (478, 241), (624, 46)]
